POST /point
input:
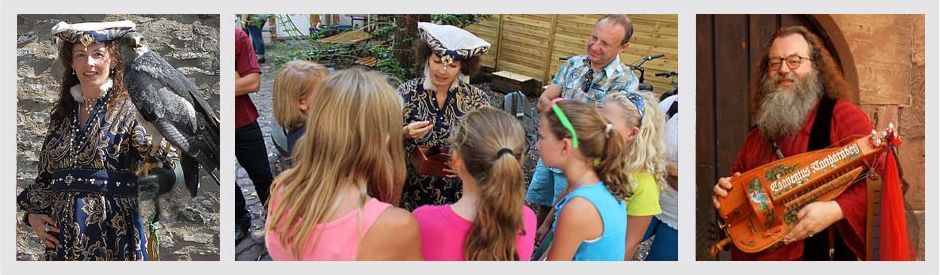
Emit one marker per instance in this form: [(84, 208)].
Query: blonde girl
[(637, 118), (336, 202), (293, 88)]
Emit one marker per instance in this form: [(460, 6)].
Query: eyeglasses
[(793, 62)]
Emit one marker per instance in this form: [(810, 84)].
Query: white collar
[(615, 66), (429, 86), (76, 91)]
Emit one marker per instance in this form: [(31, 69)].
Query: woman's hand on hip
[(42, 224)]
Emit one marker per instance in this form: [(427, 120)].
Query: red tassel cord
[(894, 242)]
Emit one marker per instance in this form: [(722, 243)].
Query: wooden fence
[(533, 45)]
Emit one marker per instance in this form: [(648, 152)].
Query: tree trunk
[(407, 25)]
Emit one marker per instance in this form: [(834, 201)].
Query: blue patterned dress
[(421, 105), (87, 183)]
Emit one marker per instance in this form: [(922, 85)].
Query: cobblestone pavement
[(252, 248)]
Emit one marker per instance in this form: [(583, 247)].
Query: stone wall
[(888, 52), (190, 226)]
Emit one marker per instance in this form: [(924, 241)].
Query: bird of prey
[(172, 106)]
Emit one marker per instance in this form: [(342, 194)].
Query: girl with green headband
[(589, 223)]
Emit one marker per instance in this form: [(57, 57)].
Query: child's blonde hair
[(295, 81), (646, 152), (353, 137)]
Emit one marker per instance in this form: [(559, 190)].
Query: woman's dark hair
[(469, 67), (65, 103)]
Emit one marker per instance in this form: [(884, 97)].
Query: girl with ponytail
[(490, 222), (589, 221)]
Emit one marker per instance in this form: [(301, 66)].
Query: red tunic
[(245, 64), (848, 123)]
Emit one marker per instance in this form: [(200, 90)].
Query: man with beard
[(802, 108)]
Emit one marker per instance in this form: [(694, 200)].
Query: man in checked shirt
[(585, 78)]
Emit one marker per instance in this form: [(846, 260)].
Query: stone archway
[(839, 47)]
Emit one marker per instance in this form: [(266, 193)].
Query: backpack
[(515, 104)]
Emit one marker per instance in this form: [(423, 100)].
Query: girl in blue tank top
[(589, 221)]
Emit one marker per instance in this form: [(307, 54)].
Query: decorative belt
[(122, 184)]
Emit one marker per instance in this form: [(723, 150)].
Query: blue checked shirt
[(615, 77)]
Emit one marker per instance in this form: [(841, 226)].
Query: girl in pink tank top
[(339, 239), (321, 209), (490, 222)]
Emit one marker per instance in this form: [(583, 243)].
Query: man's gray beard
[(783, 113)]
